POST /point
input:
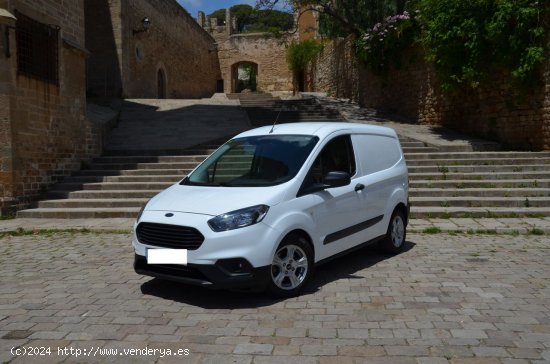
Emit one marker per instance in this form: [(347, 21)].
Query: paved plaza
[(447, 299)]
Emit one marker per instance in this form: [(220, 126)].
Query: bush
[(300, 55), (469, 40), (383, 45)]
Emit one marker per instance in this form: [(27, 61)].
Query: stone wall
[(265, 50), (43, 128), (496, 112), (125, 63), (336, 70)]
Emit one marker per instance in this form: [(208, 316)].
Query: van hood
[(214, 201)]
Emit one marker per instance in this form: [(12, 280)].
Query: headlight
[(239, 218)]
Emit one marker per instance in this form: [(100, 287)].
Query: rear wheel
[(394, 241), (291, 267)]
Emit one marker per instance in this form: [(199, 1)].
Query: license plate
[(167, 256)]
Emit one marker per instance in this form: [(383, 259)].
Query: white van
[(272, 203)]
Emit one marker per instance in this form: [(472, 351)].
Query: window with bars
[(37, 49)]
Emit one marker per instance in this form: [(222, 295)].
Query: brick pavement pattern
[(447, 299)]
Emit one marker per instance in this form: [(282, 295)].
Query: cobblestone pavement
[(447, 299)]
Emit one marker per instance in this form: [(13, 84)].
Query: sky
[(208, 6)]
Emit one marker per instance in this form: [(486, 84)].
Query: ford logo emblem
[(169, 214)]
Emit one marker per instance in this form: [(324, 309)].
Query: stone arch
[(162, 82), (244, 75)]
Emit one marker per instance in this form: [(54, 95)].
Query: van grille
[(169, 236)]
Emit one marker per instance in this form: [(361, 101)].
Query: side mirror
[(337, 179)]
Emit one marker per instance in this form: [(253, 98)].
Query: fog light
[(235, 266)]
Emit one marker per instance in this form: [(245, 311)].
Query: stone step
[(123, 186), (93, 203), (484, 184), (410, 144), (102, 194), (479, 192), (478, 168), (132, 172), (413, 150), (152, 158), (143, 159), (411, 161), (141, 179), (420, 212), (481, 155), (157, 152), (480, 176), (80, 213), (109, 186), (130, 166), (475, 201)]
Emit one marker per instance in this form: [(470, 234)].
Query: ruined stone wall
[(267, 51), (495, 112), (43, 125), (125, 63)]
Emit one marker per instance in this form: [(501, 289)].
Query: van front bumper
[(224, 274)]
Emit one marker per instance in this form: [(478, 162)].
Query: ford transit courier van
[(272, 203)]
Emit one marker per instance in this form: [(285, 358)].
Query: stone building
[(148, 49), (57, 52), (264, 55), (44, 133)]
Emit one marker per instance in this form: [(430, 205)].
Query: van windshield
[(255, 161)]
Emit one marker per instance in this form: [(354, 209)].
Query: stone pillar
[(228, 22), (201, 18)]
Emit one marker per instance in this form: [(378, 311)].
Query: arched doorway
[(244, 77), (161, 84)]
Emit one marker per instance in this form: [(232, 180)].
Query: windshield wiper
[(186, 182)]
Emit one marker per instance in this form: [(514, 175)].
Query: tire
[(394, 241), (291, 267)]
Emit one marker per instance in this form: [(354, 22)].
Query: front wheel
[(394, 241), (291, 267)]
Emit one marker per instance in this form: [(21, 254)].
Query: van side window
[(336, 156), (377, 152)]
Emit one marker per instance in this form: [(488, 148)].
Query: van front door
[(338, 212)]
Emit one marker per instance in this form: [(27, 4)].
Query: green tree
[(250, 19), (469, 40), (220, 15), (343, 17)]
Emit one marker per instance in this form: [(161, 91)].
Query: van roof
[(320, 129)]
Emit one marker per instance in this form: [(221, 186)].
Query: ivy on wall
[(301, 54), (466, 40)]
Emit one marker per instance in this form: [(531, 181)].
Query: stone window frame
[(37, 49)]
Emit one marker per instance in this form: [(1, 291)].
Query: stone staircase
[(443, 184), (264, 109), (479, 184), (117, 185), (157, 142)]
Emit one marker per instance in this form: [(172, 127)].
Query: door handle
[(359, 187)]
